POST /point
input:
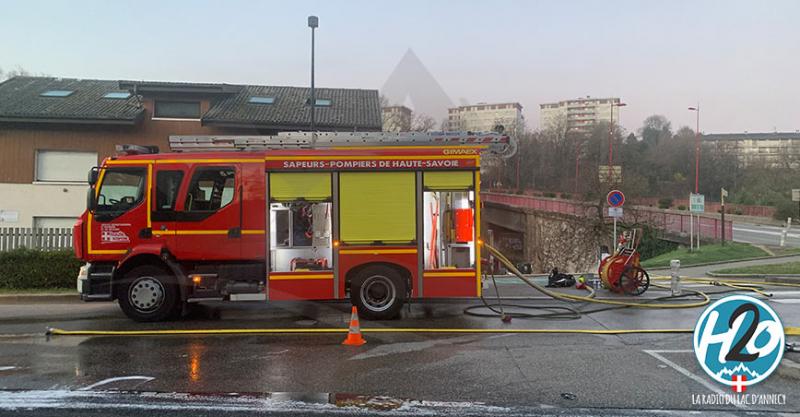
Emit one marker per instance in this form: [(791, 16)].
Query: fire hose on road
[(566, 312)]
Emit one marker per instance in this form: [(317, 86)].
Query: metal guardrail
[(35, 238)]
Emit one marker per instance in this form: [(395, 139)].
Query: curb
[(44, 297), (780, 279), (666, 268)]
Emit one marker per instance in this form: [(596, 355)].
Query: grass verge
[(773, 269), (732, 251)]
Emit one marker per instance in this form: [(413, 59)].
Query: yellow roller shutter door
[(310, 186), (448, 180), (377, 206)]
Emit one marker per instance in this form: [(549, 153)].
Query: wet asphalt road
[(448, 374)]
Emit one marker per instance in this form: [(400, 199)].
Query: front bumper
[(95, 282)]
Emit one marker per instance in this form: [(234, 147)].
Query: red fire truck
[(378, 218)]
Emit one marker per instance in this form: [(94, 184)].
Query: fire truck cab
[(379, 218)]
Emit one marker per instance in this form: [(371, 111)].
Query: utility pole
[(313, 23), (723, 194), (696, 166), (611, 141)]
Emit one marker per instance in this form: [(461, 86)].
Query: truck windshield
[(121, 189)]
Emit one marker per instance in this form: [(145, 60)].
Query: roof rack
[(494, 143)]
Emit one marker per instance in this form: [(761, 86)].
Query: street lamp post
[(611, 139), (313, 23), (696, 171), (696, 150)]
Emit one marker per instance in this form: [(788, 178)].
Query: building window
[(117, 95), (177, 109), (64, 166), (54, 222), (261, 100), (57, 93), (322, 102)]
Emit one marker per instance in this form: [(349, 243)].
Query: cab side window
[(210, 189), (167, 185)]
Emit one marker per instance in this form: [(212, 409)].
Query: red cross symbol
[(738, 383)]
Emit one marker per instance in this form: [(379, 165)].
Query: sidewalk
[(700, 271)]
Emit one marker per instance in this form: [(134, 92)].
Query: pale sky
[(739, 59)]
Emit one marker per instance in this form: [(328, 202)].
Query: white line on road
[(117, 379), (788, 301), (7, 368), (673, 365)]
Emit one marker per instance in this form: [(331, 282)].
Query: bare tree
[(18, 71), (422, 123)]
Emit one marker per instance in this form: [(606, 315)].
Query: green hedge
[(31, 268)]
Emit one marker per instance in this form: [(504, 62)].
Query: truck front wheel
[(379, 292), (148, 293)]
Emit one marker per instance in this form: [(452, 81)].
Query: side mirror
[(91, 201), (94, 173)]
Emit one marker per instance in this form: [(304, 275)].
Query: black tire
[(149, 293), (379, 292)]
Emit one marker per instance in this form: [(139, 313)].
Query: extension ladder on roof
[(495, 143)]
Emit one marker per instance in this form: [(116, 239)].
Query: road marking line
[(116, 379), (7, 368), (789, 301), (693, 377)]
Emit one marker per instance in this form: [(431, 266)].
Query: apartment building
[(484, 117), (773, 149), (578, 115), (396, 118)]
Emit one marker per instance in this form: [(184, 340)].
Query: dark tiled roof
[(20, 99), (349, 109), (752, 136)]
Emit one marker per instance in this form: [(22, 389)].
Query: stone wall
[(549, 240)]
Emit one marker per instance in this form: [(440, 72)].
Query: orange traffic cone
[(354, 335)]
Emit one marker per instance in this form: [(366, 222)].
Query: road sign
[(796, 194), (615, 212), (697, 203), (606, 175), (615, 198)]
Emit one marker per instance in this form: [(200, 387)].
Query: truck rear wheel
[(378, 291), (149, 293)]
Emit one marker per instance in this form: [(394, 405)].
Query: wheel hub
[(146, 294), (378, 293)]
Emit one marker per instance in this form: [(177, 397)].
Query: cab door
[(167, 179), (208, 225), (120, 213)]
